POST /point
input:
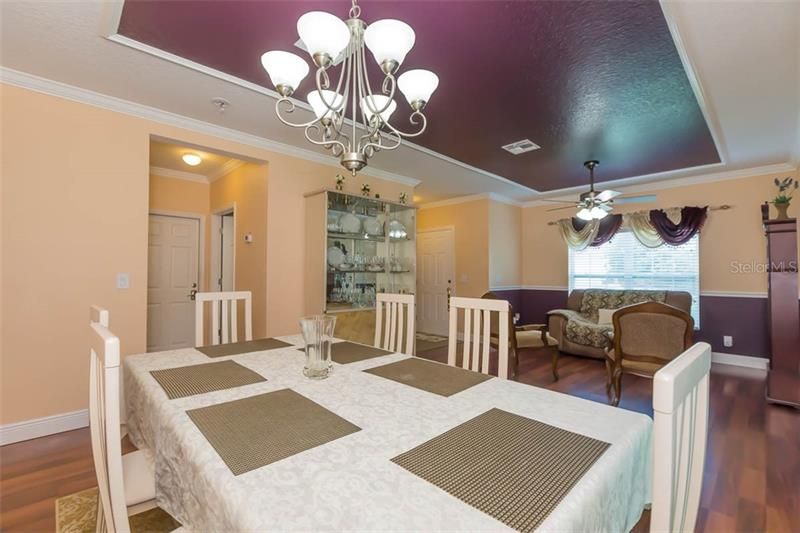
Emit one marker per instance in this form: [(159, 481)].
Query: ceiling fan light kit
[(331, 42)]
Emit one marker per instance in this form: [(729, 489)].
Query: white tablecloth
[(350, 483)]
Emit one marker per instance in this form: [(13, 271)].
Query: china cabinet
[(356, 247)]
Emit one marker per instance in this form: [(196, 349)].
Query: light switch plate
[(123, 280)]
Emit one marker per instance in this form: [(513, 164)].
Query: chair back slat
[(104, 427), (394, 322), (224, 323), (478, 318), (680, 413), (98, 314)]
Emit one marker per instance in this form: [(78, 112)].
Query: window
[(624, 263)]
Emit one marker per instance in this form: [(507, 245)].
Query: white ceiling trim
[(227, 168), (472, 198), (157, 52), (694, 80), (178, 174), (111, 103), (724, 175)]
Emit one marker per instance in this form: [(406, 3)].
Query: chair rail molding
[(41, 427)]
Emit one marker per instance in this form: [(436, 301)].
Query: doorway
[(173, 272), (435, 279), (223, 250)]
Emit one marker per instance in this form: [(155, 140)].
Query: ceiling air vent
[(520, 147)]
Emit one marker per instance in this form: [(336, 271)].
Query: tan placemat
[(236, 348), (207, 377), (259, 430), (514, 469), (429, 376)]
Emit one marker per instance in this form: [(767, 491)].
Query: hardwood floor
[(752, 474)]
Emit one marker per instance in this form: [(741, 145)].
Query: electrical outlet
[(123, 280), (727, 341), (516, 318)]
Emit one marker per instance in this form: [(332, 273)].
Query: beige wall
[(505, 241), (246, 189), (729, 236), (471, 223), (78, 176)]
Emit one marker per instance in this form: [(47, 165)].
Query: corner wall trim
[(40, 427), (747, 361)]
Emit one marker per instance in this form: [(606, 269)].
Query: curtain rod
[(723, 207)]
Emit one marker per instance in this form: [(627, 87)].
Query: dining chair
[(126, 483), (523, 336), (646, 337), (390, 310), (680, 431), (477, 333), (224, 316)]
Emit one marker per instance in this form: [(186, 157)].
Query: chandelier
[(334, 43)]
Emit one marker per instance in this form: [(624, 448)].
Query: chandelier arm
[(290, 109), (320, 88), (324, 143), (389, 93), (394, 136), (416, 117)]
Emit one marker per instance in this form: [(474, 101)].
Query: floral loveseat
[(576, 328)]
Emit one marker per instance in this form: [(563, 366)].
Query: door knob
[(193, 292)]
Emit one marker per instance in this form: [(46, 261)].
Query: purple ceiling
[(584, 80)]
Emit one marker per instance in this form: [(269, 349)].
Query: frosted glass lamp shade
[(285, 69), (418, 85), (322, 108), (389, 40), (585, 214), (598, 213), (370, 105), (323, 33)]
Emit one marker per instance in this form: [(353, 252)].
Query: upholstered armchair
[(645, 338), (524, 336)]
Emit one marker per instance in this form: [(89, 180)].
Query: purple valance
[(607, 228), (692, 220)]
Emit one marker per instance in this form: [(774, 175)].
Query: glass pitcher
[(318, 335)]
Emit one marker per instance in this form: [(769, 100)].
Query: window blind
[(624, 263)]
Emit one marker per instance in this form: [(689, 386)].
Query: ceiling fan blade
[(607, 195), (636, 199), (565, 207), (606, 207)]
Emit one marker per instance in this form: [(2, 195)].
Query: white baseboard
[(746, 361), (40, 427)]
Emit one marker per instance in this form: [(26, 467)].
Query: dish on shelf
[(374, 268), (335, 256), (372, 226), (349, 223), (346, 267), (397, 230), (334, 227)]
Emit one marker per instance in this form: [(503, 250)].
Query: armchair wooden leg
[(617, 387), (555, 365), (608, 376)]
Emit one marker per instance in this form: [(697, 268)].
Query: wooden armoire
[(783, 382)]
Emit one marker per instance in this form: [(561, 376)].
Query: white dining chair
[(680, 429), (391, 311), (126, 483), (478, 333), (101, 316), (224, 323)]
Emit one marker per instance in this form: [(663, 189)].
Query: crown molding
[(161, 54), (472, 198), (664, 183), (178, 174), (126, 107), (227, 168)]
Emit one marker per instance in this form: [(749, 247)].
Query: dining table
[(364, 475)]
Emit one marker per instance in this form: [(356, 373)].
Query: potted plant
[(786, 188)]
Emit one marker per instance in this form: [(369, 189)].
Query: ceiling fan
[(593, 205)]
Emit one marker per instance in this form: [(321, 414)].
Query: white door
[(172, 274), (226, 261), (435, 251)]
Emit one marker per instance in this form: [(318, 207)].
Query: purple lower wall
[(745, 319)]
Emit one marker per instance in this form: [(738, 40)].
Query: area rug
[(77, 513)]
